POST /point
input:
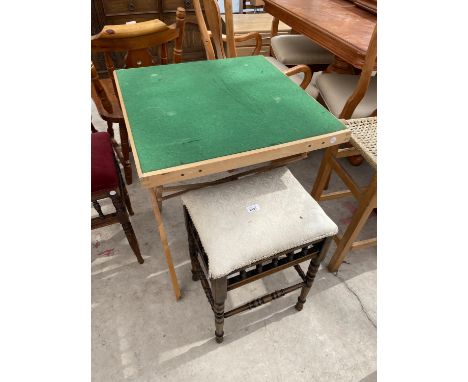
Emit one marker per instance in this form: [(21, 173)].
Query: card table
[(193, 119)]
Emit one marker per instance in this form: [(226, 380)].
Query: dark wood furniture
[(107, 182), (112, 12), (233, 242), (134, 40), (216, 289), (337, 25)]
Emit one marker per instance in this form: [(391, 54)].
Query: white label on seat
[(253, 208)]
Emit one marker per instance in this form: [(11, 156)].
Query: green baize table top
[(194, 111)]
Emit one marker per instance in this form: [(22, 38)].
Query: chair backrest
[(211, 28), (100, 91), (136, 39), (364, 79)]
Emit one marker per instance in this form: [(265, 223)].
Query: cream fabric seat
[(297, 78), (335, 90), (296, 49), (251, 219)]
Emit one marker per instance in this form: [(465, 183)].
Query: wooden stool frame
[(216, 289), (367, 199)]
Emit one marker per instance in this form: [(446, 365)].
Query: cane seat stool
[(244, 230), (364, 142), (107, 182)]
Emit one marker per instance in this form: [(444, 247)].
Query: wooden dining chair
[(297, 49), (351, 95), (135, 40), (363, 142), (214, 41), (107, 182), (248, 229)]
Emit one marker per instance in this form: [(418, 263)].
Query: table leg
[(163, 235), (340, 66)]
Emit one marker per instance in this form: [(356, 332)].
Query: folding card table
[(194, 119)]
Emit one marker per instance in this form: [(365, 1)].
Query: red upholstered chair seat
[(103, 171)]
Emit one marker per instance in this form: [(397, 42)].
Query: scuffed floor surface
[(140, 333)]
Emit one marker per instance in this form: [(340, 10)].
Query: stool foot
[(300, 304), (219, 338)]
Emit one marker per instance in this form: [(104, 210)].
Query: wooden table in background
[(337, 25), (255, 22)]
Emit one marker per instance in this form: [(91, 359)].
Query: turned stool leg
[(126, 225), (124, 144), (192, 248), (219, 287), (311, 273)]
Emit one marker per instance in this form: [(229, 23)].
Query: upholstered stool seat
[(246, 229), (254, 218), (296, 49), (336, 88), (104, 175), (297, 78)]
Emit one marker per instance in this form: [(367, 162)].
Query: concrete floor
[(139, 332)]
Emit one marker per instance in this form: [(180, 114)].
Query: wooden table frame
[(361, 53), (351, 52), (156, 181)]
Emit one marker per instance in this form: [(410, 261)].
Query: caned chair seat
[(256, 217), (296, 49), (364, 137), (297, 78), (335, 90)]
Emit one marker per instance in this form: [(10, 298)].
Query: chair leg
[(219, 287), (367, 203), (124, 144), (110, 129), (126, 225), (128, 204), (324, 173), (98, 209), (311, 273)]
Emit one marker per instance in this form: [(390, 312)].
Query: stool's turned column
[(192, 250), (311, 273), (219, 288)]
